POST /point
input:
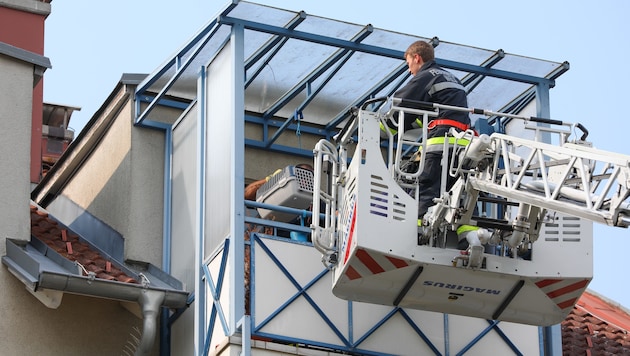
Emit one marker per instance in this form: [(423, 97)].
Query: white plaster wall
[(184, 200), (184, 195)]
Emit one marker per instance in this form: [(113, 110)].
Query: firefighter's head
[(417, 54)]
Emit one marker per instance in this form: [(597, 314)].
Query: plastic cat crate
[(292, 187)]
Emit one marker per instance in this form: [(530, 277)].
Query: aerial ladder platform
[(508, 188)]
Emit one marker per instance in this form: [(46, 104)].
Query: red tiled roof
[(67, 244), (596, 327)]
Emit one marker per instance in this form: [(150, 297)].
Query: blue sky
[(85, 42)]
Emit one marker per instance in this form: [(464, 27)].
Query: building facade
[(155, 184)]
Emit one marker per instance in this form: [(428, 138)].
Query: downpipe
[(150, 302)]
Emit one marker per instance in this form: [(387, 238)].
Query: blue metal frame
[(237, 174), (270, 49), (166, 317), (215, 292), (200, 290), (553, 345), (346, 46), (348, 344), (493, 326), (267, 144), (204, 36), (376, 50)]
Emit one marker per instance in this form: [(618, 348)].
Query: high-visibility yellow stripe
[(451, 140), (465, 228), (435, 141), (394, 132)]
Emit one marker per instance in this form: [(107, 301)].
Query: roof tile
[(69, 245), (596, 327)]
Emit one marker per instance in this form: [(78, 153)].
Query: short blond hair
[(423, 49)]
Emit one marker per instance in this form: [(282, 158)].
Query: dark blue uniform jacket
[(436, 85)]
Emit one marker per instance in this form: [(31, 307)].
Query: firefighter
[(433, 84)]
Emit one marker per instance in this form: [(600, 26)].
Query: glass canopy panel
[(394, 40), (291, 66), (494, 93), (186, 84), (322, 26), (283, 82), (527, 65), (353, 81), (269, 15), (463, 54)]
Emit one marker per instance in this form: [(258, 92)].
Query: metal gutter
[(95, 287), (45, 274)]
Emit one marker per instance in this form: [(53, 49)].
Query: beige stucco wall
[(260, 163), (145, 226), (122, 183), (16, 98), (80, 326), (103, 183)]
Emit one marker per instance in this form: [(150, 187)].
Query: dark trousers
[(429, 181)]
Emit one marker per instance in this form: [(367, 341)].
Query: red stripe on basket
[(547, 282), (567, 303), (398, 263), (568, 289), (369, 262), (350, 234), (352, 273)]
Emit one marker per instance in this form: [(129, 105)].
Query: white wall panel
[(219, 128)]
